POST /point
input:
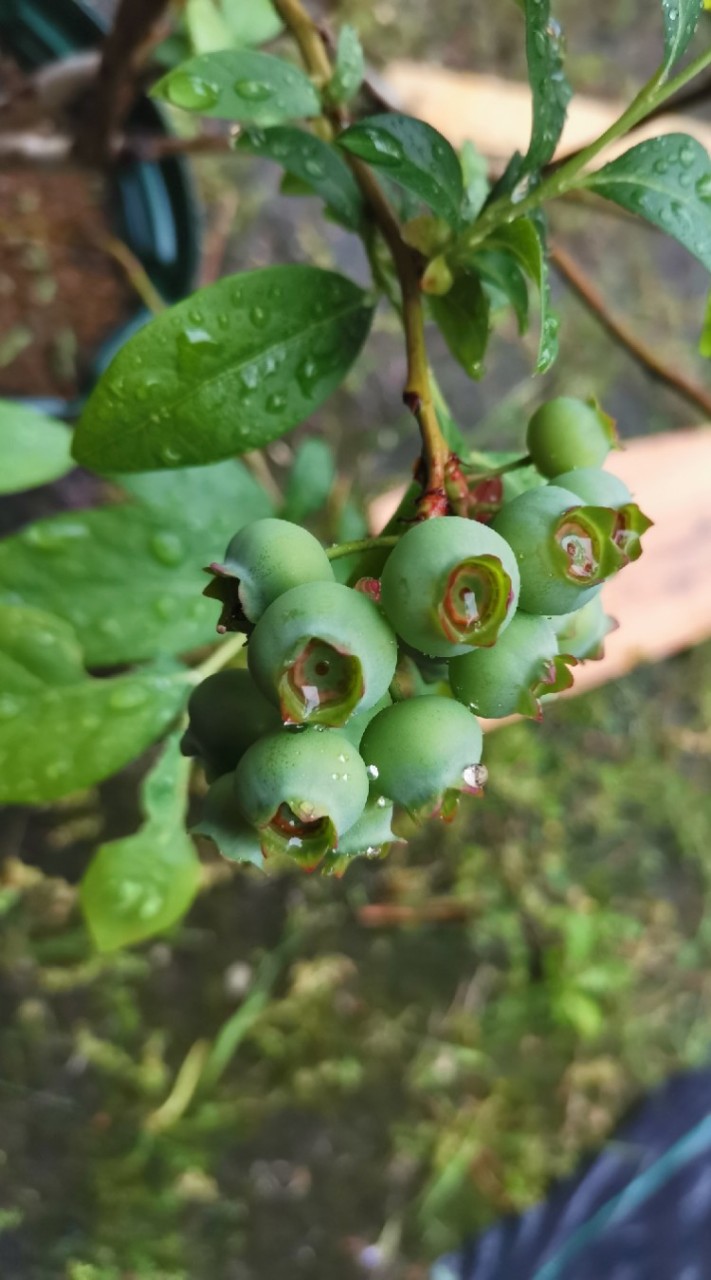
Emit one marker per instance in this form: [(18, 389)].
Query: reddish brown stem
[(581, 284)]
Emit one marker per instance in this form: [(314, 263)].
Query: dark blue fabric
[(641, 1210)]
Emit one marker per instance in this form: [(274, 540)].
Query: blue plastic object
[(640, 1211), (155, 206)]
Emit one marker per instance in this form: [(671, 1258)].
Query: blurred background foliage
[(310, 1077)]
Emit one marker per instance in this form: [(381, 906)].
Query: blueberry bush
[(339, 707)]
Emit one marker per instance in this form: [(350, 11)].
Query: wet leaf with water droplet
[(34, 448), (241, 85), (524, 241), (52, 747), (681, 18), (139, 886), (415, 155), (676, 197), (112, 584), (349, 69), (549, 87), (312, 160), (197, 410)]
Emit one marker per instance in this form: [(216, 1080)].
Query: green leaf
[(128, 577), (206, 27), (139, 886), (230, 369), (413, 154), (315, 162), (252, 23), (502, 273), (36, 648), (34, 449), (310, 480), (681, 18), (475, 174), (462, 316), (667, 181), (549, 87), (524, 240), (349, 69), (57, 739), (240, 85)]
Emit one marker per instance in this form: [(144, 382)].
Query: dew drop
[(380, 146), (258, 316), (164, 607), (372, 771), (307, 374), (193, 345), (170, 455), (191, 92), (127, 697), (275, 403), (167, 547), (253, 90)]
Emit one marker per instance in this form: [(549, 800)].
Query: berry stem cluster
[(417, 393)]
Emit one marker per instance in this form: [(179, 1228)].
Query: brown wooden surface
[(495, 114), (663, 602)]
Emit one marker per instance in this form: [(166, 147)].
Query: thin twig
[(584, 288), (135, 272)]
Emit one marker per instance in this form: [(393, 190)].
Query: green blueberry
[(582, 634), (263, 560), (302, 789), (567, 433), (226, 713), (596, 487), (422, 754), (601, 489), (523, 665), (565, 551), (449, 585), (222, 822), (322, 652), (356, 726)]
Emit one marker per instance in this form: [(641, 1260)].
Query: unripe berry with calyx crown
[(322, 652), (602, 489), (523, 665), (567, 433), (302, 790), (422, 754), (223, 822), (449, 585), (227, 713), (263, 560), (582, 633), (565, 550)]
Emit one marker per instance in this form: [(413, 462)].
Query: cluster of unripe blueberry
[(357, 713)]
